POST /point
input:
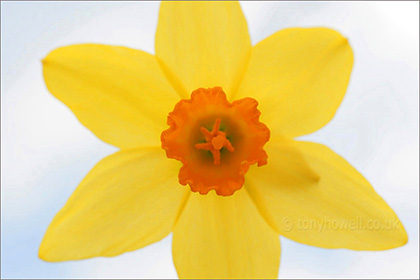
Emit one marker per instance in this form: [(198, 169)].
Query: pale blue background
[(46, 152)]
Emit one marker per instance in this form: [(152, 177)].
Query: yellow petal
[(202, 44), (224, 237), (120, 94), (299, 76), (340, 210), (128, 200)]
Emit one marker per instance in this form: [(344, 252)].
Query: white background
[(46, 151)]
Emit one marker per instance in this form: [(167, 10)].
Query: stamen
[(215, 141)]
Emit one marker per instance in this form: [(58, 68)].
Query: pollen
[(215, 140)]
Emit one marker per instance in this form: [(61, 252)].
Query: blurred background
[(45, 151)]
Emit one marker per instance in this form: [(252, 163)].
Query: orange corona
[(215, 140)]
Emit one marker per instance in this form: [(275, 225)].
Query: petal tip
[(42, 254), (46, 59), (399, 238), (404, 237)]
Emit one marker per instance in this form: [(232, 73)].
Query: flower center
[(215, 140)]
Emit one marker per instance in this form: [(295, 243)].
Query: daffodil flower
[(206, 130)]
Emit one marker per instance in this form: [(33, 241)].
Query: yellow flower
[(227, 220)]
